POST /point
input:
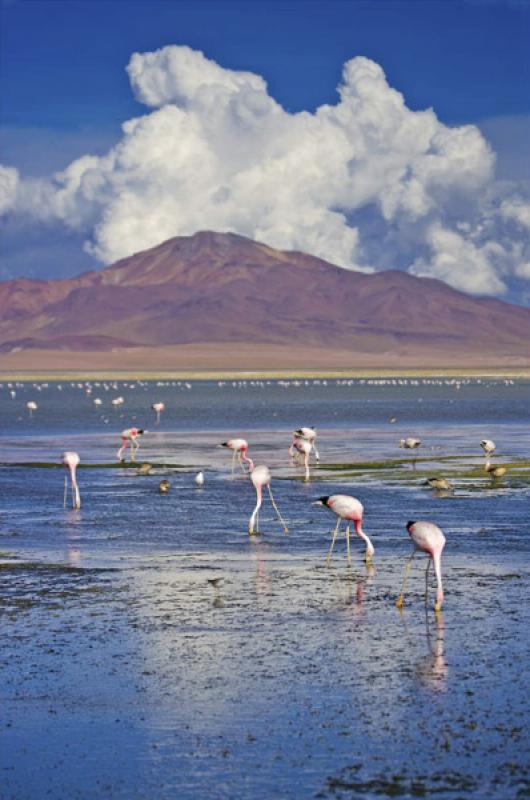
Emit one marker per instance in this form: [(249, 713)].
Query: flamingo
[(158, 407), (70, 461), (260, 477), (428, 537), (350, 509), (489, 448), (239, 448), (303, 449), (32, 406), (130, 436), (310, 435), (199, 479), (411, 444)]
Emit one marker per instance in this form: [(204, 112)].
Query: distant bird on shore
[(199, 479), (129, 437), (158, 407), (496, 472), (350, 509), (441, 484), (427, 537), (32, 406), (239, 448), (71, 461), (97, 401), (163, 486), (260, 477)]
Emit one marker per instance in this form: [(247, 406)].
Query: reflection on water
[(151, 648)]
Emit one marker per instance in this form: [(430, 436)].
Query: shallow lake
[(126, 673)]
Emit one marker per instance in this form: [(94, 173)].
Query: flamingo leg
[(427, 581), (316, 453), (275, 507), (65, 491), (240, 459), (348, 555), (233, 461), (335, 532), (399, 601)]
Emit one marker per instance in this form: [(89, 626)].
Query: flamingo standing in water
[(307, 434), (239, 448), (351, 510), (428, 537), (70, 461), (260, 477), (158, 407), (489, 448), (303, 449), (32, 406), (130, 437)]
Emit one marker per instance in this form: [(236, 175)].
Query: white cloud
[(216, 151), (461, 263), (9, 179)]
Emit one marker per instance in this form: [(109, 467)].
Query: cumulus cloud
[(365, 183)]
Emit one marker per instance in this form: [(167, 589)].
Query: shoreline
[(26, 376)]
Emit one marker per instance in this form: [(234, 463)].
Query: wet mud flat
[(287, 679)]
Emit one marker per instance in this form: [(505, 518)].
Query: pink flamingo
[(428, 537), (310, 435), (70, 461), (303, 449), (158, 407), (129, 437), (239, 448), (260, 477), (349, 509)]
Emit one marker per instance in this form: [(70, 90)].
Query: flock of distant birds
[(426, 536)]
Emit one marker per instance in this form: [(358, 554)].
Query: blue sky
[(65, 91)]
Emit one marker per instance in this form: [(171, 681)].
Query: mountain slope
[(223, 288)]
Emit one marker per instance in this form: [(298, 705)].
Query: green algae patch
[(107, 465)]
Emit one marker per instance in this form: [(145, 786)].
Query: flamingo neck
[(370, 550), (248, 460), (259, 497), (75, 486)]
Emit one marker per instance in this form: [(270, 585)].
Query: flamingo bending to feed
[(130, 437), (307, 434), (351, 510), (70, 461), (428, 537), (158, 407), (239, 448), (260, 477)]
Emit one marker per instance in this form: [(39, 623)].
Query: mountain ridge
[(222, 287)]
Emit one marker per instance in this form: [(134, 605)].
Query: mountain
[(223, 301)]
